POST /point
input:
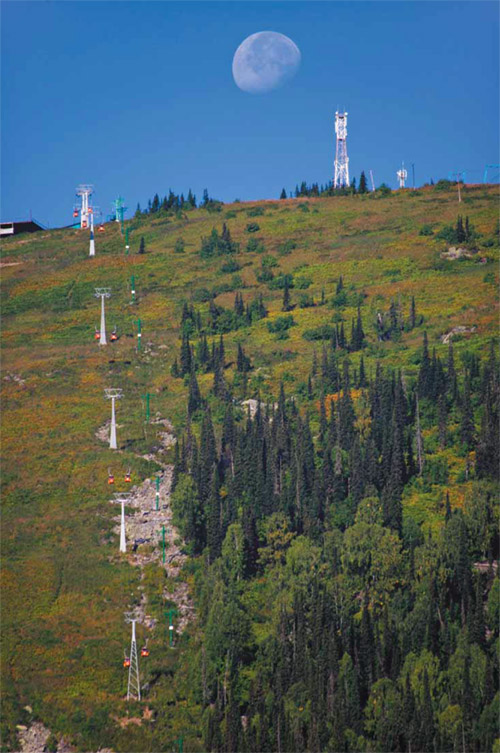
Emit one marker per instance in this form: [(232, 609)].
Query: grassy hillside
[(64, 591)]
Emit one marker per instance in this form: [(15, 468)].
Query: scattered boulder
[(460, 330), (459, 252)]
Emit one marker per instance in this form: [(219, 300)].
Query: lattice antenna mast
[(113, 394), (134, 685), (102, 293), (402, 176), (85, 191), (122, 498), (341, 176)]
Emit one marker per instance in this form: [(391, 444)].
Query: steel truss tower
[(341, 177), (134, 685)]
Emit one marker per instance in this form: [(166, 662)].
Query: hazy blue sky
[(139, 97)]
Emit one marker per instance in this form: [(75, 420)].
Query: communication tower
[(85, 191), (341, 176), (402, 175)]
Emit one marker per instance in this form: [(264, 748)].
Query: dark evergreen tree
[(467, 430), (142, 246), (283, 194), (425, 373), (363, 188), (194, 399)]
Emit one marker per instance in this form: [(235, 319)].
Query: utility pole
[(122, 498), (139, 334), (113, 394), (134, 685), (459, 176), (132, 288), (157, 501), (102, 293)]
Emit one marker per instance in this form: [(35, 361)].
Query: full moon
[(265, 61)]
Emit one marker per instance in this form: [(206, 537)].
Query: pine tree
[(283, 194), (413, 313), (185, 356), (363, 188), (215, 533), (194, 399), (442, 420), (142, 246), (425, 373), (467, 431)]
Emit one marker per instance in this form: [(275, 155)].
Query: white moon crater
[(265, 61)]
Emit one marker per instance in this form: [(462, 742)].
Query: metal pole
[(171, 629), (112, 435), (123, 546), (132, 288), (127, 247), (147, 406), (163, 542), (102, 338), (157, 493)]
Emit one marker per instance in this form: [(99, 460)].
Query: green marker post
[(169, 614), (163, 542), (127, 247), (132, 288), (139, 334), (147, 397), (157, 493), (181, 744)]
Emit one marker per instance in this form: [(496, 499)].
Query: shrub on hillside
[(286, 248), (281, 324), (426, 230), (255, 245), (325, 332), (231, 265), (252, 227)]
